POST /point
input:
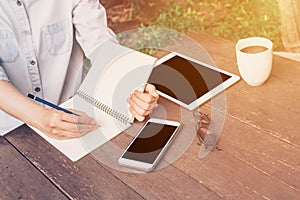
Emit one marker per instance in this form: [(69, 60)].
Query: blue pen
[(50, 104)]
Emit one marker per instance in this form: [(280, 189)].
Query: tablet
[(189, 82)]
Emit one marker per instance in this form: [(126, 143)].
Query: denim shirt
[(42, 46)]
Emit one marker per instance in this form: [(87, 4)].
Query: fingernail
[(155, 94), (141, 118)]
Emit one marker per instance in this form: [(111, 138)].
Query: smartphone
[(149, 145)]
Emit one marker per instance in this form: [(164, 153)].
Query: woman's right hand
[(60, 125), (55, 124)]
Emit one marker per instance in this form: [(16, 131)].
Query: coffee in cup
[(254, 59), (254, 49)]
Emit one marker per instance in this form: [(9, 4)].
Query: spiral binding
[(105, 108)]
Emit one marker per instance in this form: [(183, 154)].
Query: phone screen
[(150, 142), (185, 80)]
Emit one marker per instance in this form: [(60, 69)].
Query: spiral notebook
[(115, 73)]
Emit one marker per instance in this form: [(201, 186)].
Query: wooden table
[(259, 155)]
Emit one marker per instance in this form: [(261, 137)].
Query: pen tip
[(30, 96)]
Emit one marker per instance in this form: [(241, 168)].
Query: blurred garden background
[(231, 19)]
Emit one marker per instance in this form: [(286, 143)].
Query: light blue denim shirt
[(42, 46)]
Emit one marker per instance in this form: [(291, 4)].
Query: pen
[(50, 104)]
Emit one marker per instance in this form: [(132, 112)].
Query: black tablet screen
[(185, 80)]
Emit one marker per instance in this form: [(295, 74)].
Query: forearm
[(17, 105)]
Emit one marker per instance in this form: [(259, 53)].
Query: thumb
[(151, 89)]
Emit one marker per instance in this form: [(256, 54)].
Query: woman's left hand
[(141, 103)]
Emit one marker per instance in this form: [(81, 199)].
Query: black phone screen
[(150, 142)]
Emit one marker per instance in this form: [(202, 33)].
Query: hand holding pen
[(60, 123)]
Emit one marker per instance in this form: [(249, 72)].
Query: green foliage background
[(231, 19)]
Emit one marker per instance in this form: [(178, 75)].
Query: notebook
[(115, 73)]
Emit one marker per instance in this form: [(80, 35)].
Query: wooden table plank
[(167, 183), (249, 155), (254, 164), (270, 156), (85, 179), (274, 118), (21, 180), (88, 179), (232, 178)]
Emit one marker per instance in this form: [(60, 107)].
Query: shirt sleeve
[(90, 22), (3, 76)]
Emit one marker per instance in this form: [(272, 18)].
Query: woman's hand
[(60, 125), (141, 103), (56, 124)]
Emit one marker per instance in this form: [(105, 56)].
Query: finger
[(56, 131), (139, 110), (136, 115), (86, 128), (62, 134), (144, 96), (83, 114), (67, 130), (75, 128), (152, 90), (83, 118), (140, 103)]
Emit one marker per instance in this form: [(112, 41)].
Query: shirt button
[(26, 32), (19, 3), (37, 89), (32, 62)]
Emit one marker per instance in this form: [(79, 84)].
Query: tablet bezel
[(202, 99)]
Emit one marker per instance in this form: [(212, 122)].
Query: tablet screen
[(185, 80)]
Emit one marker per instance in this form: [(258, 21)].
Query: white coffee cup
[(254, 67)]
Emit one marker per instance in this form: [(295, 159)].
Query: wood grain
[(21, 180), (290, 19), (246, 167), (85, 179)]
